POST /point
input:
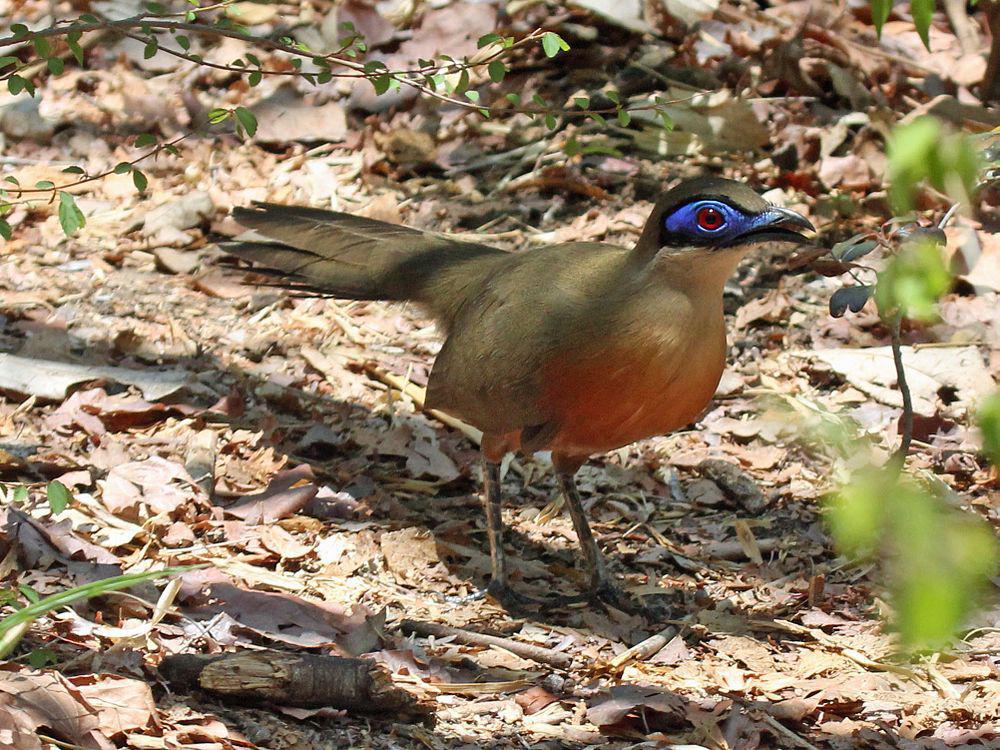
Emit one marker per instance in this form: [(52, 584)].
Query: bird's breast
[(610, 393)]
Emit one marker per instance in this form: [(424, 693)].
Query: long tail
[(339, 255)]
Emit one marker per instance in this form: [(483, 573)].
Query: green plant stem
[(899, 457), (20, 191), (12, 628)]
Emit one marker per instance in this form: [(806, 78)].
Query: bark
[(354, 685)]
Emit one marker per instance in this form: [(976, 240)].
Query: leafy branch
[(938, 558), (444, 79)]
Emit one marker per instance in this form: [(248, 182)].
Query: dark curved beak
[(778, 224), (786, 217)]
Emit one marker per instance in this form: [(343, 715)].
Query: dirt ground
[(200, 419)]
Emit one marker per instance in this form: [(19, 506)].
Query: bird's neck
[(700, 276)]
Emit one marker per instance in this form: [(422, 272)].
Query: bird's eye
[(710, 219)]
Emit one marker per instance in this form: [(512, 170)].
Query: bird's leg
[(600, 583), (499, 585), (601, 587), (494, 524)]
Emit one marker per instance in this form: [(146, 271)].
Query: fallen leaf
[(956, 373)]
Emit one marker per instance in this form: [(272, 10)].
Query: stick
[(358, 685), (644, 649), (538, 654)]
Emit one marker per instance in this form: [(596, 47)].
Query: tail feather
[(328, 253)]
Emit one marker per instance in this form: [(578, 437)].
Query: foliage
[(924, 150), (159, 29), (938, 558), (13, 627), (989, 424), (921, 10)]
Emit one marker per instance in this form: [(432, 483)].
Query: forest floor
[(197, 418)]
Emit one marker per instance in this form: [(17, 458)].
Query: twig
[(786, 732), (538, 654), (644, 649)]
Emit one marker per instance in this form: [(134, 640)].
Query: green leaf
[(151, 48), (857, 513), (472, 95), (76, 49), (42, 47), (5, 230), (488, 39), (247, 120), (8, 60), (74, 170), (44, 185), (183, 42), (39, 658), (668, 123), (550, 121), (217, 115), (514, 98), (12, 627), (58, 496), (18, 30), (380, 84), (880, 14), (20, 494), (16, 84), (583, 102), (55, 65), (624, 118), (139, 180), (255, 78), (913, 281), (123, 167), (144, 140), (552, 43), (923, 11), (497, 70), (925, 150), (71, 218), (988, 417)]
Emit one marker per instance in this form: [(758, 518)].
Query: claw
[(607, 592)]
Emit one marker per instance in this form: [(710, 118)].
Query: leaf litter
[(331, 507)]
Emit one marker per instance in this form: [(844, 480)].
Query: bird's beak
[(786, 217), (778, 224)]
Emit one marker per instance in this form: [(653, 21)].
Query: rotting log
[(304, 680)]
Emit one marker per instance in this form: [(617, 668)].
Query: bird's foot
[(514, 601), (607, 592)]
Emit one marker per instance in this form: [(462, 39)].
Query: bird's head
[(711, 216)]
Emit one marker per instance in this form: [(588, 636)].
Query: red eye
[(710, 218)]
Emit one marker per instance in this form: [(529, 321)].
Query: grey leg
[(592, 556), (494, 524)]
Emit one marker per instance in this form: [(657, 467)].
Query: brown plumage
[(577, 348)]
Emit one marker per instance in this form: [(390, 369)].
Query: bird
[(576, 348)]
